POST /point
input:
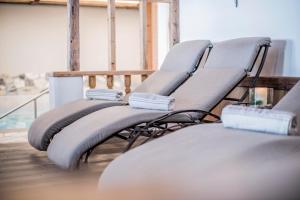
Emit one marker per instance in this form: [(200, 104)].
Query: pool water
[(23, 117), (16, 121)]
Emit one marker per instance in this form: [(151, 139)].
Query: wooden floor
[(23, 168)]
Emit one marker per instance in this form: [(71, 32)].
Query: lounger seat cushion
[(291, 103), (247, 49), (163, 82), (70, 143), (180, 62), (212, 157), (203, 91), (43, 129), (207, 87), (67, 146)]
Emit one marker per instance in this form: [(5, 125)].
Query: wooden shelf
[(275, 82)]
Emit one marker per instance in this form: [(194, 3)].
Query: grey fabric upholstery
[(48, 124), (67, 146), (201, 158), (162, 82), (236, 52), (176, 68), (206, 88), (291, 103), (202, 91), (171, 73)]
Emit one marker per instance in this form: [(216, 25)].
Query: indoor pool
[(23, 117)]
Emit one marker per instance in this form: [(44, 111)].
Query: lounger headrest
[(236, 53), (185, 55), (178, 64), (291, 103)]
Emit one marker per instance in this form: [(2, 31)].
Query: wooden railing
[(108, 74), (279, 85)]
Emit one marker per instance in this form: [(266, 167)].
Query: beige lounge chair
[(182, 60), (228, 63), (209, 161)]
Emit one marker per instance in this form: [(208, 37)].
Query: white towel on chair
[(263, 120), (104, 94), (151, 101)]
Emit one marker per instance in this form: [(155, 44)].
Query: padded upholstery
[(162, 82), (171, 73), (206, 88), (48, 124), (176, 68), (202, 91), (236, 53), (291, 103), (199, 159), (67, 146)]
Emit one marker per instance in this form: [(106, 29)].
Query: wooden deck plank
[(23, 168)]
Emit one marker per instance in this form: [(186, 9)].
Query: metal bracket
[(236, 3)]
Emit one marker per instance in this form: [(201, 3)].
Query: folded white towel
[(104, 94), (255, 119), (151, 101)]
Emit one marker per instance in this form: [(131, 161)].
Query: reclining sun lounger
[(228, 63), (211, 160), (182, 60)]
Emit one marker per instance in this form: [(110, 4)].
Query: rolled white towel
[(104, 94), (151, 101), (263, 120)]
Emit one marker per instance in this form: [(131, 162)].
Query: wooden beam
[(151, 35), (153, 44), (126, 4), (73, 36), (149, 53), (174, 27), (143, 34), (89, 3), (98, 73), (111, 9)]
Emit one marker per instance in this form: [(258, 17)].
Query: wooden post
[(111, 10), (153, 38), (110, 81), (151, 26), (143, 34), (127, 84), (174, 27), (144, 77), (73, 35), (92, 81)]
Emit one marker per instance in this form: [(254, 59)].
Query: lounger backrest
[(224, 69), (181, 60), (291, 103), (236, 53)]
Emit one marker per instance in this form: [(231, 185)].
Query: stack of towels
[(151, 101), (262, 120), (104, 94)]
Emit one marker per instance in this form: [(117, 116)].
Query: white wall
[(220, 20), (33, 38)]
